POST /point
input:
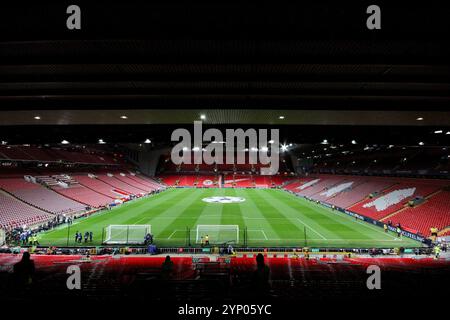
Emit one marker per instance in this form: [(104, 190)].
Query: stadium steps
[(380, 193), (136, 187), (78, 200), (356, 203), (21, 200), (106, 195), (142, 181), (396, 212), (433, 194), (444, 231), (408, 207), (71, 198), (289, 182), (327, 187)]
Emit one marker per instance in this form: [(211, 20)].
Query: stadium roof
[(169, 62), (279, 117)]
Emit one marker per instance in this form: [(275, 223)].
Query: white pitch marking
[(344, 215), (312, 229), (259, 230), (171, 235), (264, 234)]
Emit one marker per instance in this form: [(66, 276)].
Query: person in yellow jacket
[(434, 232), (437, 252)]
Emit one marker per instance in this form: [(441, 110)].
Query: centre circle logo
[(223, 199), (208, 183)]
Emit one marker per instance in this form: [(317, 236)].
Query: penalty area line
[(172, 234), (312, 229), (264, 234), (260, 230)]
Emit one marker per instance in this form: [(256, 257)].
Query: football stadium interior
[(87, 175)]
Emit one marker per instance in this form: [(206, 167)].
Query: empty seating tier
[(434, 212), (14, 213), (40, 197)]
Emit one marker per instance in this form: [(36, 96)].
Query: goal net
[(217, 234), (126, 234)]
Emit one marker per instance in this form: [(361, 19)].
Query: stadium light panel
[(148, 141), (100, 141), (421, 143), (123, 117), (419, 119), (353, 141), (64, 142), (281, 117), (37, 118), (438, 131)]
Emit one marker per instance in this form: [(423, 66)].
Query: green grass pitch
[(272, 218)]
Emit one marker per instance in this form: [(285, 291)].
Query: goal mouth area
[(126, 234), (217, 234)]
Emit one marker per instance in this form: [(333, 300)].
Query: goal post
[(217, 234), (2, 237), (126, 234)]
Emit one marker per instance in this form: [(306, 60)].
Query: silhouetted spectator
[(23, 271), (261, 276), (167, 269)]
